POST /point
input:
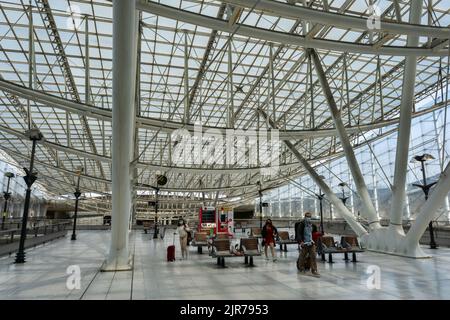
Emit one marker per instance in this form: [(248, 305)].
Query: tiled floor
[(44, 275)]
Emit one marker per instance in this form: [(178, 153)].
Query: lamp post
[(344, 198), (161, 180), (155, 234), (77, 195), (426, 189), (34, 135), (320, 196), (260, 203), (6, 195)]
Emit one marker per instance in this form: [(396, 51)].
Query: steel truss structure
[(313, 69)]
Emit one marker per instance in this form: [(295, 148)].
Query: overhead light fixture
[(424, 157)]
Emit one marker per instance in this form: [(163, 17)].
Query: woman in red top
[(269, 233)]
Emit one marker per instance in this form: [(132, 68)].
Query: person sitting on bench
[(307, 245)]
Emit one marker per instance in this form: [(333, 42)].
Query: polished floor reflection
[(45, 276)]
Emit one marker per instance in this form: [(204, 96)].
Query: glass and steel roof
[(225, 70)]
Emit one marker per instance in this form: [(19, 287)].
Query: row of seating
[(248, 248), (220, 246), (283, 238), (348, 244)]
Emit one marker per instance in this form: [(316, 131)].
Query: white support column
[(103, 138), (31, 62), (441, 150), (315, 206), (187, 115), (290, 200), (404, 130), (279, 203), (351, 196), (375, 184), (347, 215), (428, 211), (407, 207), (369, 210), (69, 138), (302, 199), (124, 81), (230, 105), (271, 89), (87, 80)]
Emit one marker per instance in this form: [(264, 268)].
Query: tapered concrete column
[(124, 80), (404, 130), (428, 211), (369, 210)]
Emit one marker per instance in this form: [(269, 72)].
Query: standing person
[(183, 230), (316, 234), (269, 233), (307, 245)]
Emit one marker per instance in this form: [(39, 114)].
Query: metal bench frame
[(331, 249), (285, 241), (250, 253)]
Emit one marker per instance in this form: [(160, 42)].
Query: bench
[(250, 247), (222, 236), (147, 225), (327, 245), (256, 233), (284, 240), (221, 250), (200, 240), (352, 245)]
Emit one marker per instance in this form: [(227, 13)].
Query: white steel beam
[(282, 37), (429, 209), (404, 130), (345, 213), (358, 178), (169, 126), (124, 81), (187, 111), (341, 20)]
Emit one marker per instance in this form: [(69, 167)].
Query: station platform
[(44, 275)]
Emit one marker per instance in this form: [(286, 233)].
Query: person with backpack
[(269, 233), (308, 247), (183, 232)]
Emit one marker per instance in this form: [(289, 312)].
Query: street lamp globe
[(34, 134), (9, 175)]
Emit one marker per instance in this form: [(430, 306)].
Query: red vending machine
[(207, 220)]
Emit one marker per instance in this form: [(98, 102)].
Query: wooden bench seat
[(284, 240), (200, 240), (221, 250), (250, 248), (327, 245), (221, 236), (256, 233), (147, 225)]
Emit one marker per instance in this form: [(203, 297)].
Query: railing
[(16, 223), (8, 235)]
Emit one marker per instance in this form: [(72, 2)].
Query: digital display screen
[(208, 216)]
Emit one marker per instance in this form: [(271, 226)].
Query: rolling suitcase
[(305, 265), (171, 251)]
